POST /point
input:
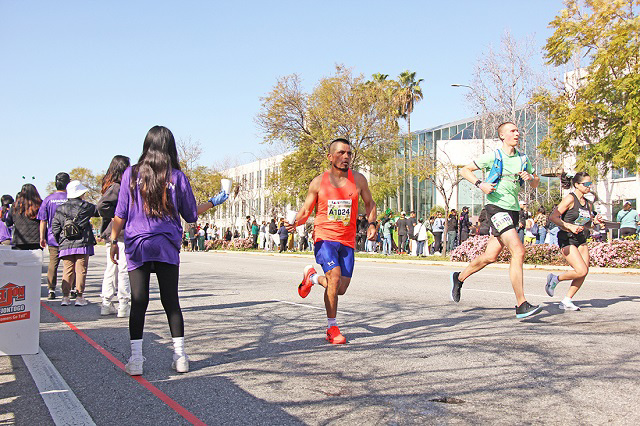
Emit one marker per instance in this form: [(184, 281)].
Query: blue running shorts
[(330, 254)]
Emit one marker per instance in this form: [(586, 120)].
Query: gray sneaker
[(552, 282)]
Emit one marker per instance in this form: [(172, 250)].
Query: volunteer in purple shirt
[(45, 215), (153, 195), (5, 232)]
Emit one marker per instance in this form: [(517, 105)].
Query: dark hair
[(62, 180), (118, 165), (152, 174), (339, 140), (568, 181), (7, 200), (542, 210), (28, 201), (504, 124)]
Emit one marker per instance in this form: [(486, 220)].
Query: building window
[(258, 179), (622, 173)]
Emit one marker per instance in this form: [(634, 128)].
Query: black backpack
[(71, 230)]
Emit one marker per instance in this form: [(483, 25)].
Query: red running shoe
[(335, 337), (305, 286)]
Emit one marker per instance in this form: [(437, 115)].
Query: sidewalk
[(450, 265)]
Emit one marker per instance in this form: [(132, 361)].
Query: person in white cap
[(72, 230)]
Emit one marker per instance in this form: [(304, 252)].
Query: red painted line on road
[(145, 383)]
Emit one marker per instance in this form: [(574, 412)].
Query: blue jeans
[(554, 236), (386, 248), (451, 240), (542, 234), (420, 248)]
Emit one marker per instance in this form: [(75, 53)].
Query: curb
[(452, 265)]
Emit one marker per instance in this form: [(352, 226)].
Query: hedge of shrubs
[(613, 254), (234, 244)]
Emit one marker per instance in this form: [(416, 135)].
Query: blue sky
[(82, 81)]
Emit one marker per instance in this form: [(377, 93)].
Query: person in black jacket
[(23, 218), (465, 225), (74, 250), (116, 277), (5, 231), (273, 230)]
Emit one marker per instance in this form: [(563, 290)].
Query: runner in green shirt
[(502, 209)]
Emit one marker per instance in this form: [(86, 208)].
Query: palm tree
[(408, 94)]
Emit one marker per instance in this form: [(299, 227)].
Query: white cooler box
[(20, 272)]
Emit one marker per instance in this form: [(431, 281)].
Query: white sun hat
[(76, 189)]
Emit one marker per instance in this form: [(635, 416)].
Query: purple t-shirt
[(5, 233), (78, 250), (48, 210), (149, 239)]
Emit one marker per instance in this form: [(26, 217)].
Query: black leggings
[(167, 275)]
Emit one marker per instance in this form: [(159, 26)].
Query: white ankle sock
[(178, 346), (314, 278), (136, 348), (331, 322), (566, 300)]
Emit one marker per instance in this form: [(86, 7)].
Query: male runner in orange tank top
[(335, 195)]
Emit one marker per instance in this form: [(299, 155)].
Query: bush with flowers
[(234, 244), (613, 254)]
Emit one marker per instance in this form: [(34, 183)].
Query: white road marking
[(63, 405), (309, 306)]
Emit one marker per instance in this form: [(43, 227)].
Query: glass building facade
[(533, 128)]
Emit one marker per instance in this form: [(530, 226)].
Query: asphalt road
[(258, 354)]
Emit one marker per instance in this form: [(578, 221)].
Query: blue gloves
[(219, 198)]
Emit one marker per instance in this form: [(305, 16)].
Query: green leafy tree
[(408, 93), (596, 113), (91, 180), (341, 105)]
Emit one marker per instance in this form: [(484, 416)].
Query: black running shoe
[(456, 286), (527, 309), (72, 294), (52, 295)]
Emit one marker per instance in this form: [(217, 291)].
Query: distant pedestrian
[(45, 215), (629, 221), (23, 217), (438, 230), (401, 227), (284, 236), (115, 281), (452, 230), (5, 231), (540, 220), (255, 230), (74, 234)]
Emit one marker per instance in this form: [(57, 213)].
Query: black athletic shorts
[(570, 239), (627, 232), (501, 220)]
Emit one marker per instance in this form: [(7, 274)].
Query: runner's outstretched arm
[(309, 204)]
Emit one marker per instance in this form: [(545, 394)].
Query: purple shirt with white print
[(48, 210), (148, 239)]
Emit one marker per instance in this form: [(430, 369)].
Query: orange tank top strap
[(337, 211)]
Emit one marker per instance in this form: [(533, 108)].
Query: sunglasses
[(587, 184)]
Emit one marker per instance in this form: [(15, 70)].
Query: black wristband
[(478, 182), (373, 223)]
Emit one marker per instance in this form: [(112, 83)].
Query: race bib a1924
[(339, 211)]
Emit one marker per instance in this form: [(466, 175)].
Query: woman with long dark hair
[(23, 218), (5, 231), (573, 215), (116, 277), (154, 193)]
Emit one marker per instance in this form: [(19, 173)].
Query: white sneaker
[(124, 309), (568, 305), (81, 301), (66, 301), (180, 364), (109, 309), (134, 366)]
